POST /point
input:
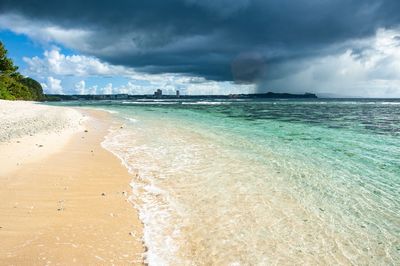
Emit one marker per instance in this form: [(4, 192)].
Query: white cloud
[(80, 87), (53, 86), (56, 63), (108, 89), (44, 32)]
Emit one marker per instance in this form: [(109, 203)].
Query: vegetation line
[(13, 85)]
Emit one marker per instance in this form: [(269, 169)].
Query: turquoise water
[(221, 182)]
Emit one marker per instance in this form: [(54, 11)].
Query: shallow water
[(263, 182)]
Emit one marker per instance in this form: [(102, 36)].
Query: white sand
[(19, 118), (30, 132)]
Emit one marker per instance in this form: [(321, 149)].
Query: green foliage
[(4, 92), (14, 86), (6, 64), (34, 86), (18, 90)]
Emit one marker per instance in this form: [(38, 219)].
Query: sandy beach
[(63, 198)]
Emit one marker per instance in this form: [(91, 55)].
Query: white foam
[(148, 103), (108, 111), (111, 111), (133, 120), (158, 210), (391, 103), (206, 103)]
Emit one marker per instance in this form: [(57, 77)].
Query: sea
[(262, 182)]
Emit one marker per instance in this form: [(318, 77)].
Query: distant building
[(177, 93), (158, 93)]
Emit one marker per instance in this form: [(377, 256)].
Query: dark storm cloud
[(237, 40)]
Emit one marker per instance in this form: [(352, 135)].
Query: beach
[(63, 198), (200, 182)]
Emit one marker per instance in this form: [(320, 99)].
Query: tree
[(4, 92), (6, 64), (35, 87), (13, 85)]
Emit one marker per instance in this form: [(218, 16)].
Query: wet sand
[(69, 206)]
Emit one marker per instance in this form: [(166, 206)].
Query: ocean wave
[(148, 103), (206, 103)]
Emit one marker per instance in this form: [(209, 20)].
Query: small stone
[(321, 209), (103, 194), (86, 131)]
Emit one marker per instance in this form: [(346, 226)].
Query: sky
[(328, 47)]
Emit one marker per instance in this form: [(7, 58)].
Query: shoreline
[(69, 204)]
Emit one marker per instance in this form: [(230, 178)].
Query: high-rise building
[(158, 93)]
